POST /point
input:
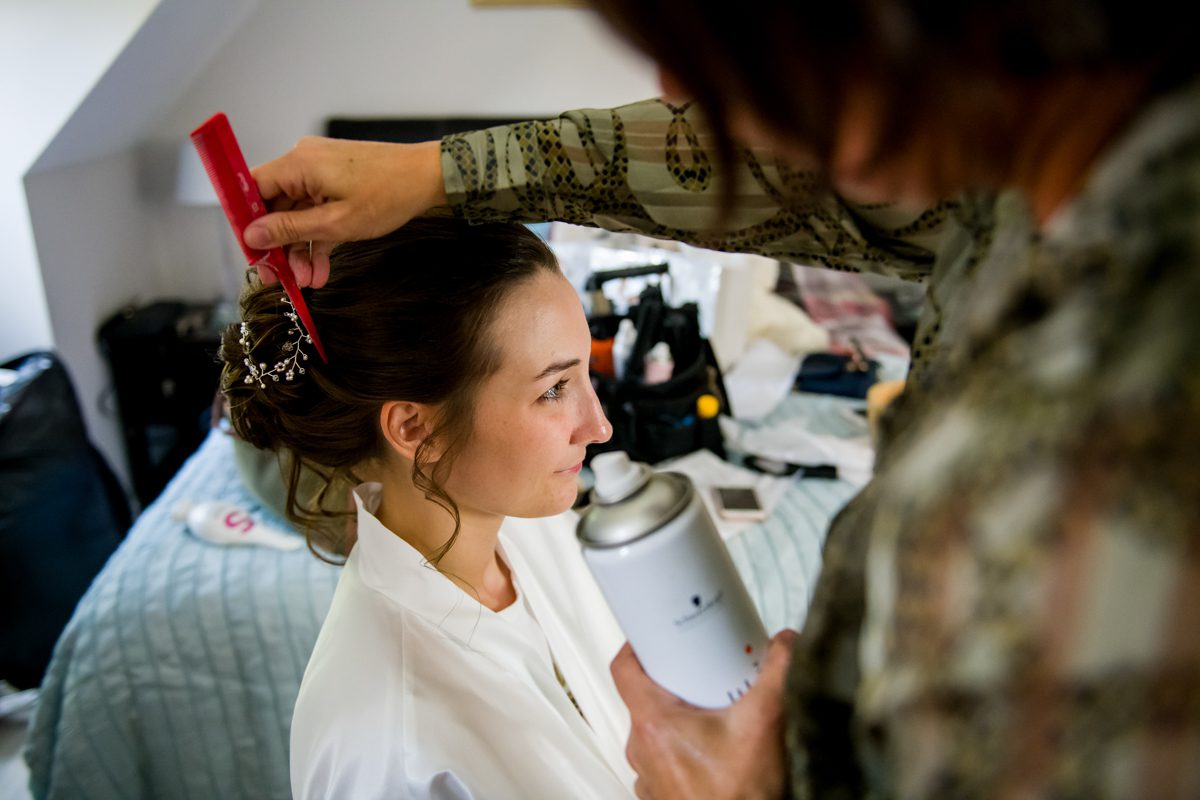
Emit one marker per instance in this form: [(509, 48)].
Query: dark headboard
[(408, 129)]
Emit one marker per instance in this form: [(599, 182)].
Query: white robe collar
[(397, 570)]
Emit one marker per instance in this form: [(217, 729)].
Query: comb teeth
[(226, 168)]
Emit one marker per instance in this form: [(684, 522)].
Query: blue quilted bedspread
[(177, 674)]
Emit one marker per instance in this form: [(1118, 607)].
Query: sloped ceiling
[(175, 43)]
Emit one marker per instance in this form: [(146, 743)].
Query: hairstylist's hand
[(326, 191), (681, 751)]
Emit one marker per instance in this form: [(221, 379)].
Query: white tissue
[(760, 380)]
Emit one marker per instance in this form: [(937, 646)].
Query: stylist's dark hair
[(403, 317), (790, 60)]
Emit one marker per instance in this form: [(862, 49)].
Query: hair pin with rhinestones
[(293, 355)]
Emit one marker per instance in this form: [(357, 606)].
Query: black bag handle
[(598, 279), (647, 317), (710, 356)]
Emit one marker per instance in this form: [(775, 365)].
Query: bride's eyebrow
[(557, 366)]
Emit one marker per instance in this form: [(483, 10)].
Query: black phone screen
[(738, 499)]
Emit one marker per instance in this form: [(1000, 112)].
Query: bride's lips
[(573, 470)]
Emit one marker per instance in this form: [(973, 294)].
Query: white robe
[(416, 690)]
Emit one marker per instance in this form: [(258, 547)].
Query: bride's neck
[(472, 562)]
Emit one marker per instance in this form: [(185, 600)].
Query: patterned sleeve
[(1009, 609), (648, 168), (1032, 624)]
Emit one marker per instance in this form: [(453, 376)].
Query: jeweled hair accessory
[(293, 355)]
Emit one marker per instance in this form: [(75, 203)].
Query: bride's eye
[(555, 392)]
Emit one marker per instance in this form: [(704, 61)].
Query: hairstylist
[(1007, 609)]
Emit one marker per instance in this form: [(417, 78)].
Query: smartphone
[(738, 504)]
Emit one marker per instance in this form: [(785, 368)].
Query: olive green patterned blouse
[(1012, 606)]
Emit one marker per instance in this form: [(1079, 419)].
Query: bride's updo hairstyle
[(403, 317)]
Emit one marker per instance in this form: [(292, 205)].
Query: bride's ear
[(405, 425)]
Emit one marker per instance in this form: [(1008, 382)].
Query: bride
[(466, 651)]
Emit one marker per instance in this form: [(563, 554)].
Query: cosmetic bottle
[(622, 347), (228, 524), (659, 364), (601, 360)]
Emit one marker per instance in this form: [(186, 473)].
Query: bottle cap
[(707, 406), (660, 353)]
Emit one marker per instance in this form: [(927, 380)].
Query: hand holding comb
[(238, 193)]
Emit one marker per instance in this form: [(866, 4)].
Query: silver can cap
[(629, 501)]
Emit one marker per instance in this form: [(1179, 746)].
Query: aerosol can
[(670, 582)]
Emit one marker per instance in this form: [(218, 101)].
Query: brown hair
[(403, 317), (791, 61)]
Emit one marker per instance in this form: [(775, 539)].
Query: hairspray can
[(670, 582)]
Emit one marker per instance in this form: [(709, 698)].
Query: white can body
[(681, 603)]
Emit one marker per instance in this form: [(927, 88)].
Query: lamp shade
[(192, 186)]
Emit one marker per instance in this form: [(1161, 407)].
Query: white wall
[(53, 52), (279, 70), (295, 62), (91, 272)]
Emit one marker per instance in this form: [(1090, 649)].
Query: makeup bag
[(655, 421)]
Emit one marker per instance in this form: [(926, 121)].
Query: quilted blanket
[(177, 674)]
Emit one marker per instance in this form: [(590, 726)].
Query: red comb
[(238, 193)]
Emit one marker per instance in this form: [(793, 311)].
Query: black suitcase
[(62, 513)]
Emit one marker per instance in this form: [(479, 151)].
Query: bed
[(177, 674)]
